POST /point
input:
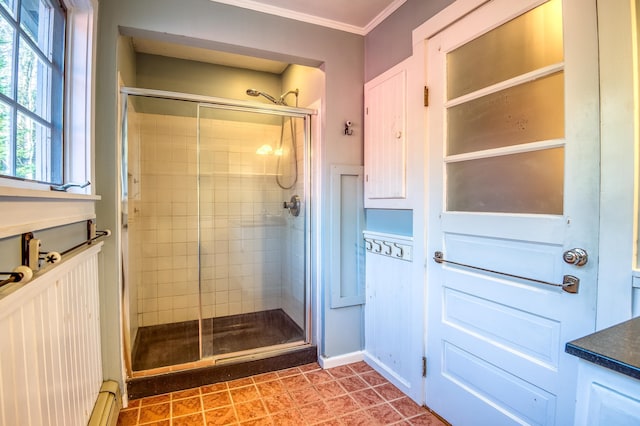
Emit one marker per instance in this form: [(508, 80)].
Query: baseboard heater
[(107, 408)]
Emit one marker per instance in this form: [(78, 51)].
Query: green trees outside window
[(31, 89)]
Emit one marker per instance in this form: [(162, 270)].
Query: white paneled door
[(513, 177)]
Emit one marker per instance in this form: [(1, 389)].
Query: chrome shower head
[(254, 92)]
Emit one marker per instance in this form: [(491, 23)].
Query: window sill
[(10, 192), (27, 210)]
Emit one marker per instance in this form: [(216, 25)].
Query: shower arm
[(281, 101), (284, 95)]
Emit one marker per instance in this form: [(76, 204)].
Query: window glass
[(9, 5), (5, 139), (526, 43), (528, 112), (32, 82), (531, 182), (35, 20), (25, 156), (503, 137), (6, 57)]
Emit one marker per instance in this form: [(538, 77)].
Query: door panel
[(495, 338), (512, 397)]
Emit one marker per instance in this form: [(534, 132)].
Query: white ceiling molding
[(383, 15), (314, 19)]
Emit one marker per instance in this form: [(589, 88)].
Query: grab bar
[(99, 234), (14, 277), (31, 254), (570, 284), (20, 274)]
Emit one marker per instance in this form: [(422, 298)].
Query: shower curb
[(141, 387)]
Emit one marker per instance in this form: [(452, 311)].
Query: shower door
[(159, 183), (253, 218), (216, 267)]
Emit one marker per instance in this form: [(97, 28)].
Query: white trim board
[(337, 361), (313, 19)]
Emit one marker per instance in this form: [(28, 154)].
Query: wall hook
[(347, 128)]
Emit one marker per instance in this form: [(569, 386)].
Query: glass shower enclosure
[(215, 203)]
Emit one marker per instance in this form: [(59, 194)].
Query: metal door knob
[(576, 256)]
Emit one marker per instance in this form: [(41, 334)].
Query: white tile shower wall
[(242, 221), (164, 221)]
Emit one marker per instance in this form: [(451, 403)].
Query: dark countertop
[(616, 348)]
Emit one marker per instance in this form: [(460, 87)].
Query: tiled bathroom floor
[(348, 395)]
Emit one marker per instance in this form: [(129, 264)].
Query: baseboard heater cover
[(107, 408)]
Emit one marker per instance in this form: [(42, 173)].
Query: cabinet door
[(606, 397), (385, 138)]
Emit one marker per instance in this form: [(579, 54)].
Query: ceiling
[(190, 53), (355, 16)]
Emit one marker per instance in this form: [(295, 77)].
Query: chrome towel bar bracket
[(570, 283), (33, 256)]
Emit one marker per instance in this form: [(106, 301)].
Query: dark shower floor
[(177, 343)]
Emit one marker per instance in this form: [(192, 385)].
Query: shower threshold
[(255, 343), (178, 343)]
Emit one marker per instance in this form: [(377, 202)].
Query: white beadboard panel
[(50, 362), (385, 136), (393, 338)]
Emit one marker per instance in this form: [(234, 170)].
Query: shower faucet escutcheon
[(293, 205)]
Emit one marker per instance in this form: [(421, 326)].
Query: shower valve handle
[(293, 205)]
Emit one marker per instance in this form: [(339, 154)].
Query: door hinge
[(424, 366), (426, 96)]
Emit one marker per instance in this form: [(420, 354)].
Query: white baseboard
[(336, 361)]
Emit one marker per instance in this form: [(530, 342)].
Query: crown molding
[(383, 15), (312, 19)]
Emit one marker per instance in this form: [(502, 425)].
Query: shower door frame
[(252, 107)]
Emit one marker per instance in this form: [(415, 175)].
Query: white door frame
[(619, 172)]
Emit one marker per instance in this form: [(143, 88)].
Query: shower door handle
[(293, 205)]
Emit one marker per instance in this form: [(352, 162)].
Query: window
[(32, 41), (26, 205)]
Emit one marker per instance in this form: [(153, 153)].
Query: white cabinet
[(606, 397), (385, 139)]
